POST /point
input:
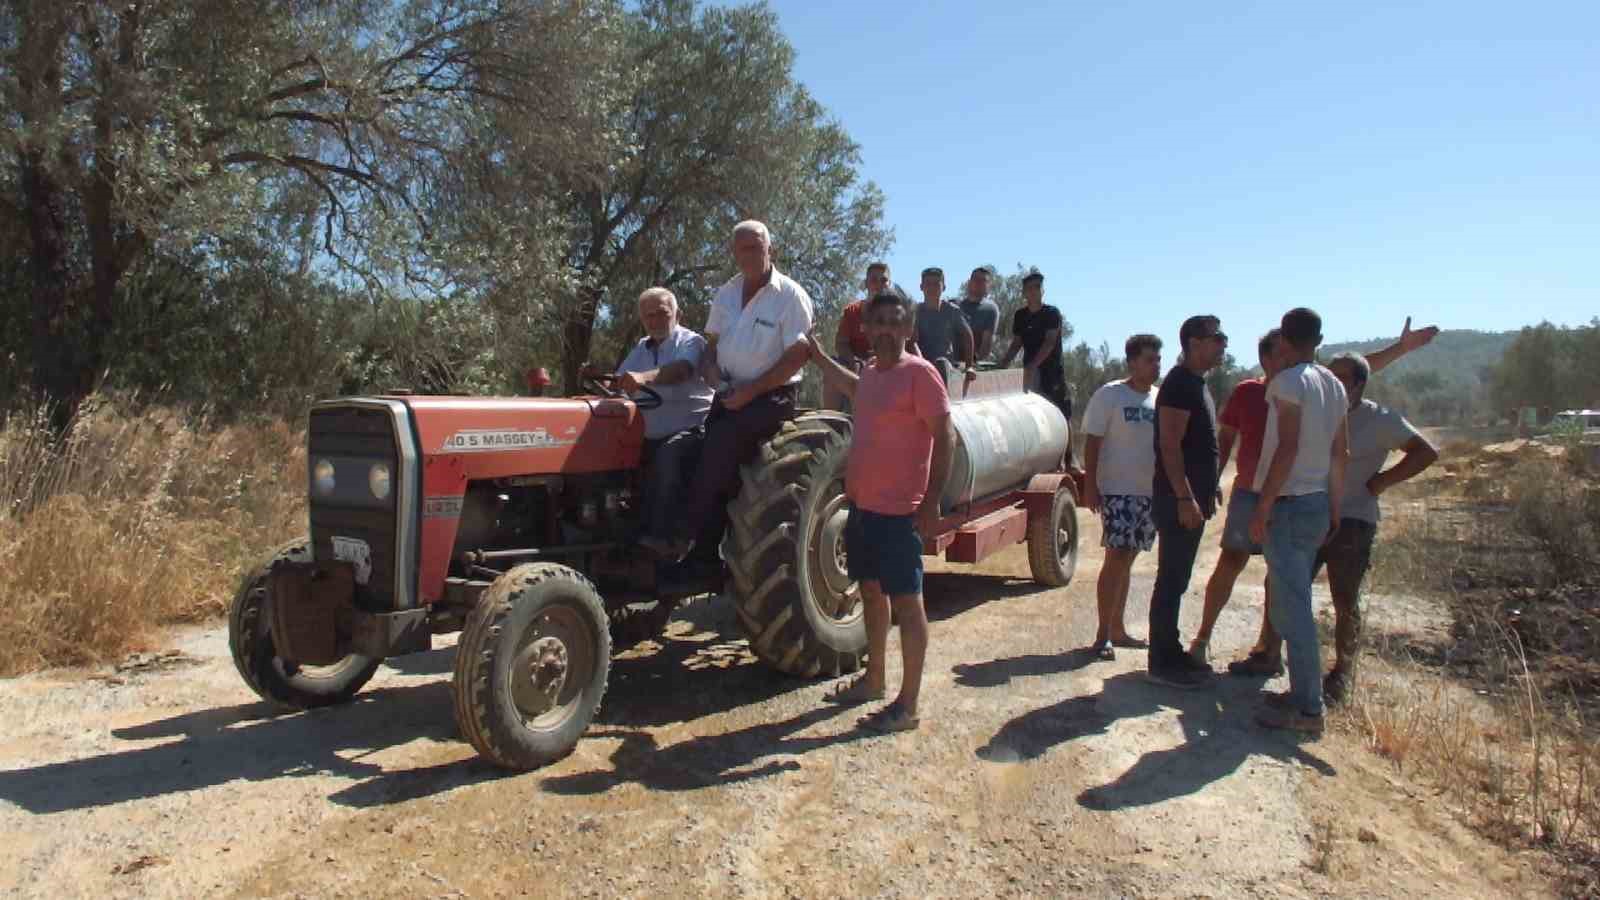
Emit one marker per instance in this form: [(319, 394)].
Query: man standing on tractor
[(756, 345), (941, 329), (1120, 467), (1036, 331), (900, 453), (667, 360), (851, 348), (983, 316)]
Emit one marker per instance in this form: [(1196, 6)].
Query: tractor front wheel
[(531, 666), (279, 681)]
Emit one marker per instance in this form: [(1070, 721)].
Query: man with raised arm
[(900, 452)]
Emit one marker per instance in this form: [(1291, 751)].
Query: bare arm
[(1011, 352), (672, 373), (1283, 456), (841, 344), (965, 345), (1226, 435), (938, 471), (1409, 341), (834, 375), (709, 372), (1091, 471), (1419, 455), (1174, 422), (792, 361), (1339, 459), (1052, 338)]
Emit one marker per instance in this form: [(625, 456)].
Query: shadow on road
[(997, 672), (749, 753), (949, 594), (1219, 736), (690, 676)]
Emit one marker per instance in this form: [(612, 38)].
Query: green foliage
[(252, 204), (1550, 368)]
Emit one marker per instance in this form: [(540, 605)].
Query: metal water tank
[(1002, 440)]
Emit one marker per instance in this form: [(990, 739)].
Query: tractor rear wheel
[(531, 666), (276, 680), (1053, 541), (785, 551)]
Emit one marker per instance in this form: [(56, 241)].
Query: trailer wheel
[(531, 666), (1053, 541), (785, 551), (276, 680)]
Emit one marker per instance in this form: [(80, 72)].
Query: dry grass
[(1502, 716), (130, 521)]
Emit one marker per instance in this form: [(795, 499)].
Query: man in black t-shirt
[(1036, 331), (1185, 492)]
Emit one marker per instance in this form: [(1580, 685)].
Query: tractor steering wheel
[(604, 385)]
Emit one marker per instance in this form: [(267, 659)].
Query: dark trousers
[(667, 467), (732, 437), (1176, 549)]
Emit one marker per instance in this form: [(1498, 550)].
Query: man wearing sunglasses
[(1185, 492)]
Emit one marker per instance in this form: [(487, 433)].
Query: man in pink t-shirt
[(899, 458)]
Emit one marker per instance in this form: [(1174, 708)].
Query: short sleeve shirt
[(683, 405), (1246, 413), (1183, 389), (752, 337), (1323, 405), (891, 447), (1375, 432), (851, 329), (1125, 421), (939, 330), (1032, 327), (983, 315)]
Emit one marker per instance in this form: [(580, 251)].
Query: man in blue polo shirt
[(667, 360)]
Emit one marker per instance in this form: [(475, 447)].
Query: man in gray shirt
[(667, 360), (942, 330), (983, 316)]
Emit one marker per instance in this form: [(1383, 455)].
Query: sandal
[(1102, 649), (1129, 642), (853, 694), (890, 719)]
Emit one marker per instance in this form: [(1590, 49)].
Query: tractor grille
[(354, 438)]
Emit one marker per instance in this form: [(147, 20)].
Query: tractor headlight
[(378, 480), (322, 477)]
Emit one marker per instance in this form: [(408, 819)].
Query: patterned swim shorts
[(1128, 525)]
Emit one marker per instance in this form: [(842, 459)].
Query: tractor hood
[(504, 436)]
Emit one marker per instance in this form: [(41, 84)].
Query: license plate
[(355, 552)]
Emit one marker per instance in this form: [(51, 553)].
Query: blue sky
[(1162, 159)]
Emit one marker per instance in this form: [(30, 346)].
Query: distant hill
[(1458, 356), (1444, 383)]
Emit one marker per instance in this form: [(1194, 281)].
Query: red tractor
[(509, 520)]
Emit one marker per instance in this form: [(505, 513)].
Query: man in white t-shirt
[(1119, 472), (755, 348), (1305, 449)]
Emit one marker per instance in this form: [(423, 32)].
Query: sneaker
[(1290, 720), (1257, 665), (1177, 676), (1104, 650)]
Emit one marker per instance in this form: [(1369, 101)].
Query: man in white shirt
[(755, 349), (1306, 450), (667, 360), (1120, 468)]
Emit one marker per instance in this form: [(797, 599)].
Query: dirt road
[(1037, 773)]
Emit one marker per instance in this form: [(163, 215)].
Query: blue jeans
[(1295, 532), (1176, 548), (667, 462)]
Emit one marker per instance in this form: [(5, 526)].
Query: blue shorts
[(1236, 527), (885, 549)]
